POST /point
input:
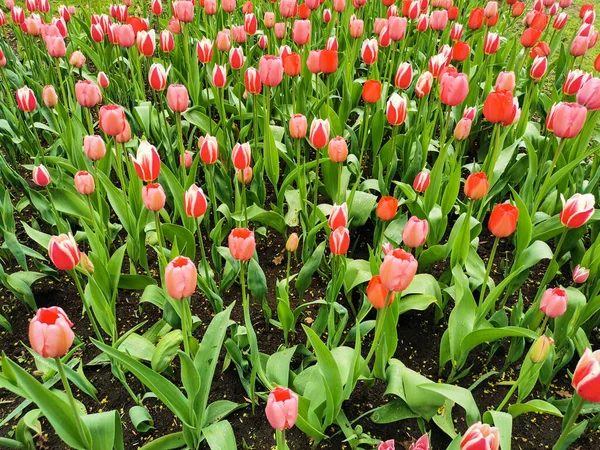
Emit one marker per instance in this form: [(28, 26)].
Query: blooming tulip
[(181, 277), (480, 436), (209, 149), (377, 294), (387, 207), (87, 93), (50, 333), (574, 80), (476, 186), (157, 77), (404, 76), (371, 92), (589, 94), (112, 119), (298, 126), (49, 96), (26, 100), (84, 183), (554, 302), (153, 197), (219, 76), (586, 378), (396, 109), (566, 120), (241, 244), (338, 217), (397, 270), (63, 251), (454, 88), (461, 51), (580, 274), (498, 107), (319, 133), (503, 220), (271, 70), (41, 176), (415, 232), (147, 162), (577, 210), (282, 408), (369, 51), (421, 444), (252, 81), (178, 98), (387, 445), (146, 42), (424, 84)]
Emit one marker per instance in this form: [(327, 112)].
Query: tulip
[(291, 64), (313, 62), (356, 27), (146, 42), (181, 277), (339, 241), (387, 445), (538, 68), (183, 10), (147, 162), (87, 93), (103, 81), (219, 76), (492, 43), (498, 107), (156, 7), (540, 349), (187, 159), (579, 46), (438, 19), (586, 378), (241, 244), (112, 120), (580, 274), (371, 92), (49, 96), (328, 61), (209, 149), (319, 133), (560, 21), (421, 444), (506, 81), (574, 80), (462, 129), (250, 23), (454, 88), (301, 32), (456, 32), (178, 98), (291, 244), (554, 302), (339, 5), (252, 81), (577, 210), (282, 408), (421, 181), (476, 18), (589, 94), (397, 270), (387, 207), (125, 35), (241, 156), (153, 197), (63, 251), (415, 232), (41, 176), (566, 120), (377, 294), (338, 217), (476, 186), (84, 183), (288, 8), (77, 59), (424, 84), (236, 60), (369, 51), (397, 28), (404, 76), (271, 70), (125, 135), (50, 333), (280, 30), (397, 107), (166, 41), (529, 37), (269, 19), (26, 100), (503, 220), (263, 42), (157, 77), (423, 23), (94, 147), (480, 436), (298, 126), (244, 176), (238, 34), (337, 149), (460, 51)]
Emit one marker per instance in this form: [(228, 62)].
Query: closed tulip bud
[(506, 81), (280, 30), (157, 77), (577, 210), (481, 436), (424, 84), (183, 10), (328, 61), (241, 156), (377, 293), (292, 243), (178, 98), (146, 42), (586, 378), (241, 244), (540, 49), (181, 277), (585, 8), (339, 5), (332, 44), (319, 133), (271, 70), (49, 96), (423, 23), (421, 444), (476, 186), (63, 251), (209, 149), (384, 40), (194, 202), (338, 217), (2, 59), (288, 8), (219, 76), (125, 135), (298, 126), (94, 147), (421, 181), (579, 46), (252, 81), (86, 264), (574, 80), (476, 18), (166, 41), (96, 32), (357, 27), (292, 64), (244, 176), (236, 59), (492, 43), (566, 120), (103, 80), (238, 34), (147, 162), (228, 5), (454, 88), (269, 19), (17, 15), (397, 270), (263, 41), (112, 120), (540, 349), (50, 333), (538, 68), (456, 32), (41, 176), (379, 24), (397, 28), (460, 51), (371, 92), (337, 150), (156, 7), (326, 15), (580, 274), (282, 408), (503, 220), (498, 107), (339, 241), (31, 5), (462, 129), (554, 302), (153, 197), (517, 9), (301, 32), (438, 20), (560, 21), (397, 107), (589, 94), (250, 23), (125, 35), (26, 100), (313, 62), (415, 232), (87, 93), (84, 183), (529, 37), (404, 76), (223, 41), (369, 51), (387, 207)]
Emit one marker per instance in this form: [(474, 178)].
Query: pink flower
[(319, 133), (421, 444), (480, 436), (338, 216), (271, 70), (586, 378), (339, 241), (589, 94), (87, 93), (63, 251), (282, 408), (178, 98), (153, 196), (50, 333), (389, 444), (454, 88), (147, 162), (181, 277), (241, 156), (337, 149), (554, 302), (580, 274), (421, 181), (577, 210), (84, 183), (194, 201), (242, 244), (41, 176), (566, 120), (112, 120), (415, 232), (397, 270)]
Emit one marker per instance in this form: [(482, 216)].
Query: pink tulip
[(153, 196), (56, 46), (103, 81), (339, 241), (241, 156), (415, 232), (506, 81), (424, 84), (577, 210), (538, 68), (181, 277), (26, 100), (338, 217), (480, 436), (397, 270), (250, 24), (438, 19), (209, 149), (579, 46), (87, 93), (574, 80), (146, 42), (397, 107), (397, 28), (282, 408), (566, 120), (421, 182), (77, 59), (125, 36), (187, 159), (313, 62), (554, 302), (194, 201), (244, 176), (301, 32), (271, 70), (280, 30), (319, 133), (241, 244), (589, 94), (288, 8), (204, 49), (178, 98), (147, 162), (183, 10), (389, 444), (421, 444), (337, 149), (112, 120), (124, 136), (357, 27), (586, 378), (327, 15), (174, 26), (63, 251), (41, 176), (94, 147), (492, 43), (298, 126), (50, 333), (454, 88), (228, 5), (269, 19), (238, 34), (462, 129), (49, 96), (580, 274), (84, 183), (339, 5), (236, 58)]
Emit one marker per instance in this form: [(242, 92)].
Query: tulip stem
[(186, 328), (280, 436), (209, 280), (65, 382), (254, 355), (561, 444), (86, 305), (51, 200), (88, 115), (159, 233), (542, 191), (488, 271), (509, 394), (381, 313)]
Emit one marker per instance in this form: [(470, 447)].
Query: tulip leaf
[(168, 442), (308, 269), (166, 350), (271, 155), (534, 406), (141, 419), (219, 436), (503, 421), (358, 271), (106, 430)]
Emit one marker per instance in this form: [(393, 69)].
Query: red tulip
[(157, 77), (87, 93), (586, 378), (538, 68), (577, 210), (156, 7), (50, 333), (377, 293), (112, 120), (371, 92), (404, 76), (554, 302), (424, 84), (530, 36), (338, 217), (282, 408), (415, 232), (560, 21), (498, 106), (421, 181), (397, 270), (480, 436), (250, 23), (396, 109), (153, 197), (194, 202), (147, 162), (209, 149), (574, 80), (328, 61), (298, 126), (492, 43), (319, 133), (339, 241), (63, 251), (369, 51), (181, 277), (166, 41), (241, 155), (146, 42), (456, 32), (103, 81), (219, 76), (84, 183), (503, 220), (204, 50), (26, 100), (517, 9), (423, 23), (241, 244), (476, 18), (41, 176), (476, 186), (387, 207), (460, 51), (252, 81)]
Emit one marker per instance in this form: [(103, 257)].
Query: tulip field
[(299, 224)]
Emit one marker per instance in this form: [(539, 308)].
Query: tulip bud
[(50, 333), (338, 216), (41, 176), (298, 126), (337, 149), (178, 98), (209, 149), (319, 133), (146, 162), (387, 208), (84, 183), (554, 302), (377, 293), (415, 232), (580, 274), (194, 201), (86, 264), (481, 434), (166, 41), (577, 210), (503, 220), (292, 243), (181, 277), (94, 147), (241, 244), (424, 84), (404, 76), (26, 100), (339, 241), (421, 181), (397, 107), (244, 176), (241, 156), (219, 76), (112, 120), (282, 408), (63, 251), (541, 349), (369, 51), (157, 77), (397, 270), (49, 96), (476, 186)]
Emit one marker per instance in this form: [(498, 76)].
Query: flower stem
[(379, 327), (65, 382), (561, 444), (488, 271)]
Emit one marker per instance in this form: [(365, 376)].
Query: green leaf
[(137, 346), (169, 442), (358, 271), (220, 436), (393, 411), (502, 421), (458, 395), (271, 155), (141, 419), (185, 239), (305, 275), (534, 406), (166, 350), (269, 218), (278, 366), (106, 430)]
